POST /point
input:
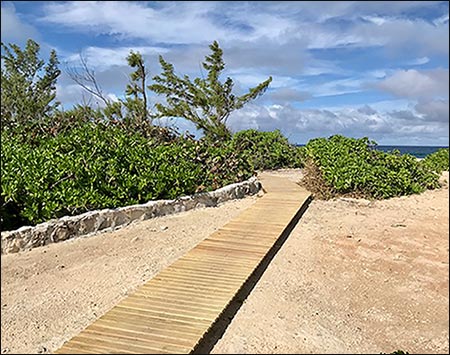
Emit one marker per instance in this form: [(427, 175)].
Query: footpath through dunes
[(51, 293), (182, 308), (354, 277)]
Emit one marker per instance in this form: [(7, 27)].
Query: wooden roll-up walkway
[(174, 310)]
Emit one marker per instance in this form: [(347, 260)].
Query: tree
[(136, 88), (28, 87), (131, 112), (206, 102), (85, 77)]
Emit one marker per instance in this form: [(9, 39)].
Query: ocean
[(417, 151)]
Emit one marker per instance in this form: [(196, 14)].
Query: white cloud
[(386, 127), (282, 39), (333, 87), (203, 22), (441, 20), (418, 61), (377, 74), (286, 95), (104, 58), (434, 110), (71, 94), (375, 19), (417, 84), (172, 22), (13, 29), (249, 79)]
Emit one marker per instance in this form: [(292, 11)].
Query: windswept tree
[(206, 102), (133, 110), (28, 87)]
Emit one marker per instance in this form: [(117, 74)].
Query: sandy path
[(51, 293), (353, 277)]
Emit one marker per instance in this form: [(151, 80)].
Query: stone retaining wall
[(93, 222)]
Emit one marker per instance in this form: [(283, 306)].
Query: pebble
[(41, 350)]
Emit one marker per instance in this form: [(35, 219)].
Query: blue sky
[(376, 69)]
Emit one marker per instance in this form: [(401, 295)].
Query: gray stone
[(93, 222)]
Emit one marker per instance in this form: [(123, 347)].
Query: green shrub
[(267, 150), (348, 166), (96, 166), (437, 161), (223, 165)]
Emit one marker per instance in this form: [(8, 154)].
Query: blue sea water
[(417, 151)]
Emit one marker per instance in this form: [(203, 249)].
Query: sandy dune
[(354, 277)]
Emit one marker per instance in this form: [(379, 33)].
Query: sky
[(360, 69)]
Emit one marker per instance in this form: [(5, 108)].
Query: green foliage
[(341, 165), (206, 102), (28, 88), (267, 150), (437, 161), (96, 166), (223, 164), (133, 112)]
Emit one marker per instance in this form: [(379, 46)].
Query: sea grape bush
[(267, 150), (347, 166), (437, 161), (97, 166)]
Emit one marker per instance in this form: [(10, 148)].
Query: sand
[(353, 277)]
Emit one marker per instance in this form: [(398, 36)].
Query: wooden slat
[(173, 310)]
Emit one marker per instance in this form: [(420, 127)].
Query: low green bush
[(267, 150), (437, 161), (96, 166), (347, 166)]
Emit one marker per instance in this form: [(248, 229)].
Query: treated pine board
[(197, 284), (136, 346), (161, 314), (172, 311), (180, 293), (251, 229), (199, 280), (207, 304), (200, 257), (189, 290), (241, 243), (244, 241), (154, 329), (205, 271), (144, 321), (137, 338)]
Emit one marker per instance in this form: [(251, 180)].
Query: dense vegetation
[(56, 163), (438, 161), (347, 166), (96, 166), (267, 150)]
